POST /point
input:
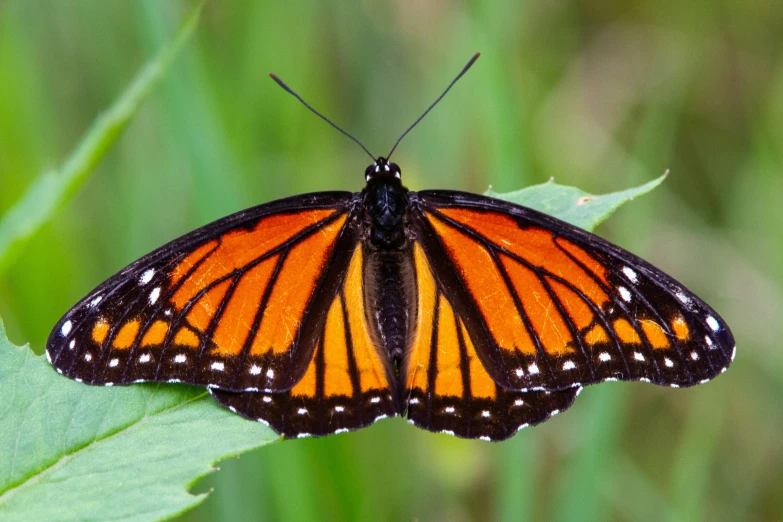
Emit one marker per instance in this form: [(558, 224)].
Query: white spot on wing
[(533, 369), (449, 409), (146, 277), (144, 358), (270, 373), (554, 412), (180, 358), (683, 298), (624, 293), (66, 329), (114, 362), (303, 435), (266, 398), (713, 323), (569, 365), (668, 362), (255, 370), (414, 400), (630, 273), (519, 402), (341, 430), (520, 372), (485, 414), (694, 356), (447, 432), (375, 400), (339, 409), (733, 353), (604, 356), (48, 357), (638, 356), (704, 381), (88, 357), (525, 425), (218, 366), (95, 301), (379, 417), (301, 411), (484, 437), (154, 295), (72, 344)]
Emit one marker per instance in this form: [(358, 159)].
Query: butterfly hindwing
[(551, 306), (448, 388), (236, 304), (347, 383)]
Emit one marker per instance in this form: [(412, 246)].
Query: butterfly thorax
[(385, 203)]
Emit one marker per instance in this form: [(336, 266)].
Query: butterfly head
[(382, 168)]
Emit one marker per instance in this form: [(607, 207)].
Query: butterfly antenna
[(461, 73), (282, 84)]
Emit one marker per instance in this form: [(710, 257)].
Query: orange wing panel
[(240, 312), (204, 310), (372, 373), (458, 396), (448, 380), (489, 290), (238, 248), (443, 336), (419, 359), (337, 379), (292, 290), (547, 321), (536, 246)]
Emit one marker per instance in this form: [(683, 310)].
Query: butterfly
[(326, 312)]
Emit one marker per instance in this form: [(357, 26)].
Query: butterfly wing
[(236, 304), (550, 306), (448, 389), (347, 384)]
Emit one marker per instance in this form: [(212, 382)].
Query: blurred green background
[(601, 95)]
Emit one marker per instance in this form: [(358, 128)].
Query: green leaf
[(44, 198), (72, 451), (572, 205)]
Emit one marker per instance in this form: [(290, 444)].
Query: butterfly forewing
[(236, 304), (550, 306), (448, 388), (348, 384)]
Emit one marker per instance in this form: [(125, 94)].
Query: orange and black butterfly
[(326, 312)]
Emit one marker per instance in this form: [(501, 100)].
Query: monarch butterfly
[(325, 312)]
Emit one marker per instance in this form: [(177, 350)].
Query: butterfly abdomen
[(390, 297)]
